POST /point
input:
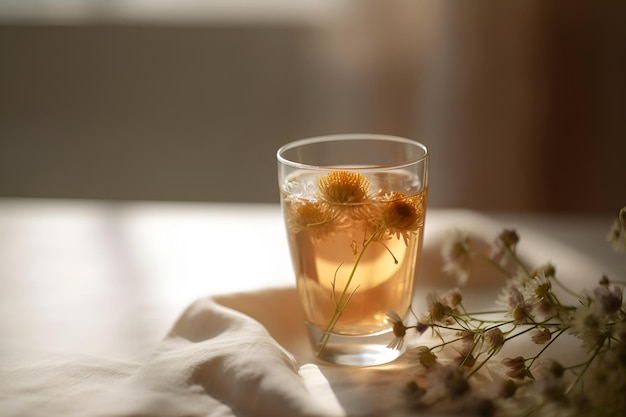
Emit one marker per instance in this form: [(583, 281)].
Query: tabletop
[(109, 278)]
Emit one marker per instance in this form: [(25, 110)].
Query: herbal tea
[(355, 242), (354, 207)]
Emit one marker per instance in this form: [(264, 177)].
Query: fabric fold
[(214, 362)]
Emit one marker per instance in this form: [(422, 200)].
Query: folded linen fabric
[(215, 362)]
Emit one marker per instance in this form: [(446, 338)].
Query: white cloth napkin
[(237, 355), (214, 362)]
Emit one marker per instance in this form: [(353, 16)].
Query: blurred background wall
[(522, 103)]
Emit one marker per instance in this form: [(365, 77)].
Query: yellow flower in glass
[(343, 187), (314, 216), (401, 215)]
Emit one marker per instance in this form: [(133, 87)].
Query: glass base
[(355, 350)]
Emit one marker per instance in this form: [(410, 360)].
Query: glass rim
[(351, 136)]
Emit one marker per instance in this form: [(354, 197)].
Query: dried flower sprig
[(468, 370)]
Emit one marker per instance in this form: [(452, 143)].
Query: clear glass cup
[(354, 207)]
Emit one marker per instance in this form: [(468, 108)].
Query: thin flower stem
[(493, 263), (441, 326), (333, 295), (341, 305), (563, 287), (494, 324), (469, 354), (520, 333), (477, 313), (494, 321), (559, 333), (445, 343), (483, 363), (517, 260), (395, 260), (463, 324), (584, 370), (497, 324)]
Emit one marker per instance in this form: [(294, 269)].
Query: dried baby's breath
[(529, 383)]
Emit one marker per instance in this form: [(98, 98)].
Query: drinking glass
[(354, 207)]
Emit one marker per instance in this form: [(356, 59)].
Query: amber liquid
[(383, 279)]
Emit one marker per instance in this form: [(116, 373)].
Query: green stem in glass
[(344, 299)]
